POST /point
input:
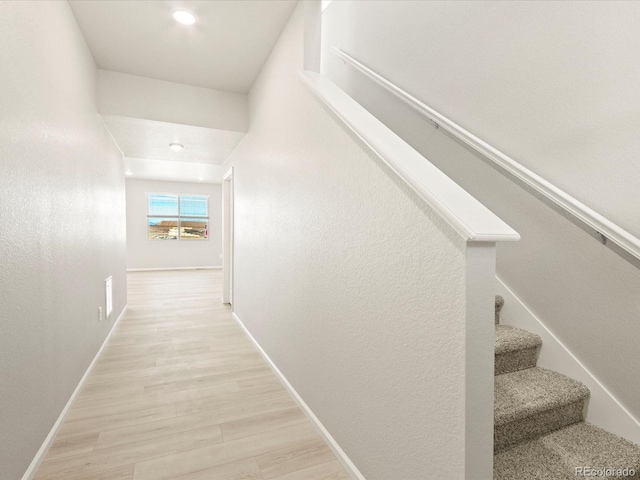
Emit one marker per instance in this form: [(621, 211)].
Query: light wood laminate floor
[(181, 393)]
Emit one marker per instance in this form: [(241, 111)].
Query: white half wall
[(140, 97), (352, 286), (62, 210), (143, 253), (505, 72)]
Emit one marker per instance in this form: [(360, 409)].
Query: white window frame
[(179, 217)]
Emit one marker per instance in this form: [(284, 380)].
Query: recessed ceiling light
[(128, 173), (184, 17), (201, 179), (176, 147)]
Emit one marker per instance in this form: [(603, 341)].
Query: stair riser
[(516, 360), (519, 431)]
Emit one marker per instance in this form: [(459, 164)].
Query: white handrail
[(472, 220), (576, 210)]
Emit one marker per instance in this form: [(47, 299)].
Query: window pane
[(194, 229), (163, 228), (194, 205), (163, 204)]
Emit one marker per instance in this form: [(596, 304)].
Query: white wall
[(151, 99), (348, 281), (145, 253), (62, 215), (554, 85)]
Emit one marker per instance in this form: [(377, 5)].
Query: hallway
[(181, 392)]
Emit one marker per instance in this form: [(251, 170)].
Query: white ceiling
[(224, 50), (149, 139)]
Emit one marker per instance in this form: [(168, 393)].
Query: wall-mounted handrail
[(472, 220), (615, 237)]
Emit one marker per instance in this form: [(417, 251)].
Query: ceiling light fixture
[(184, 17), (128, 173), (176, 147)]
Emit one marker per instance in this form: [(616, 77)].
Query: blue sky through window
[(194, 206), (162, 204)]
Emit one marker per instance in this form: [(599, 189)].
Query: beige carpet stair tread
[(533, 402), (555, 456), (527, 392), (509, 339), (534, 390)]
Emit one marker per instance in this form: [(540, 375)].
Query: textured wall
[(62, 216), (583, 291), (144, 253), (349, 282)]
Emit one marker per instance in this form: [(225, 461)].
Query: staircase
[(539, 427)]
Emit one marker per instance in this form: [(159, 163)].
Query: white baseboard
[(333, 445), (604, 410), (37, 460), (172, 268)]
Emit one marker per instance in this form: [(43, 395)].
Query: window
[(178, 217)]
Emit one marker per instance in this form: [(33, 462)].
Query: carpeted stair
[(516, 349), (539, 428)]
